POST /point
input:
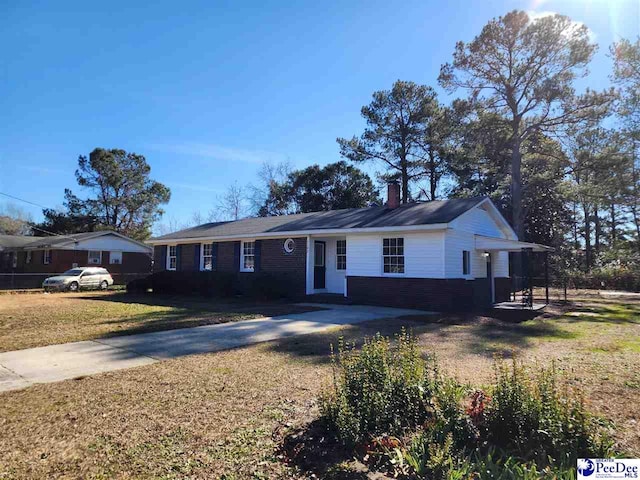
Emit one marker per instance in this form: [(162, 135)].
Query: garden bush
[(380, 389), (212, 284), (413, 421), (537, 416), (607, 278), (139, 285), (269, 286)]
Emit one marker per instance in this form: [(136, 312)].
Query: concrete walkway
[(22, 368)]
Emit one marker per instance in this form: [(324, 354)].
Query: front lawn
[(38, 319), (228, 413)]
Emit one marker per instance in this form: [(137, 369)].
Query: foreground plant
[(404, 416)]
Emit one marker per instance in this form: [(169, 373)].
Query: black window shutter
[(257, 255), (178, 259), (214, 256), (160, 262), (196, 257), (236, 256)]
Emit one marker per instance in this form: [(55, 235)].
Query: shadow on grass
[(188, 312), (315, 453), (484, 336), (605, 312)]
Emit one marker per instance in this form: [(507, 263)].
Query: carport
[(529, 252)]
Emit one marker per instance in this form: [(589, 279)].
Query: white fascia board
[(510, 231), (71, 244), (300, 233), (482, 242)]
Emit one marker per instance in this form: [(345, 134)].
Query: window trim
[(89, 262), (404, 265), (242, 256), (111, 262), (338, 255), (169, 256), (202, 255), (46, 258), (466, 262)]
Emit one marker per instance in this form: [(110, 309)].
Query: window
[(115, 258), (393, 255), (27, 258), (466, 262), (207, 257), (341, 254), (95, 257), (14, 260), (46, 257), (248, 257), (172, 257)]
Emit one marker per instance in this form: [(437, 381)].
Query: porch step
[(334, 298)]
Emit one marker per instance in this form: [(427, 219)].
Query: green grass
[(36, 320), (224, 415)]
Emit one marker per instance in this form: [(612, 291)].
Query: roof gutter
[(299, 233)]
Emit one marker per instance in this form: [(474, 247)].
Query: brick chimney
[(393, 194)]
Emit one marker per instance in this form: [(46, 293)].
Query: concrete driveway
[(22, 368)]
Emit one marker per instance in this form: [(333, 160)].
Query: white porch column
[(309, 272)]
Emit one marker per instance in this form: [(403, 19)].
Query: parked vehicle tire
[(74, 287), (104, 285)]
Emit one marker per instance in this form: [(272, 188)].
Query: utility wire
[(25, 201), (31, 224)]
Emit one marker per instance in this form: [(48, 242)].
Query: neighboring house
[(442, 255), (30, 259)]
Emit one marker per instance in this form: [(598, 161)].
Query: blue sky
[(209, 90)]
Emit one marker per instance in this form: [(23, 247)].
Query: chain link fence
[(25, 281)]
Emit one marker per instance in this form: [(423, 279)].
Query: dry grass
[(33, 320), (225, 413)]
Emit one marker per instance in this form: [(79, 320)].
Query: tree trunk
[(516, 188), (433, 180), (587, 237), (598, 228), (613, 224), (405, 181), (576, 242)]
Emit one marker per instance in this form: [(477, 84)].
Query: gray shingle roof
[(58, 240), (411, 214), (53, 241), (14, 241)]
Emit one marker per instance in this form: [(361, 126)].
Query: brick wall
[(273, 259), (187, 260), (133, 265), (422, 293), (226, 262), (502, 289)]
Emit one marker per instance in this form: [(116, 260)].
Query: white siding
[(460, 236), (456, 242), (500, 264), (111, 242), (478, 221), (423, 254)]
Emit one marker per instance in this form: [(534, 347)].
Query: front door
[(490, 278), (319, 268)]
